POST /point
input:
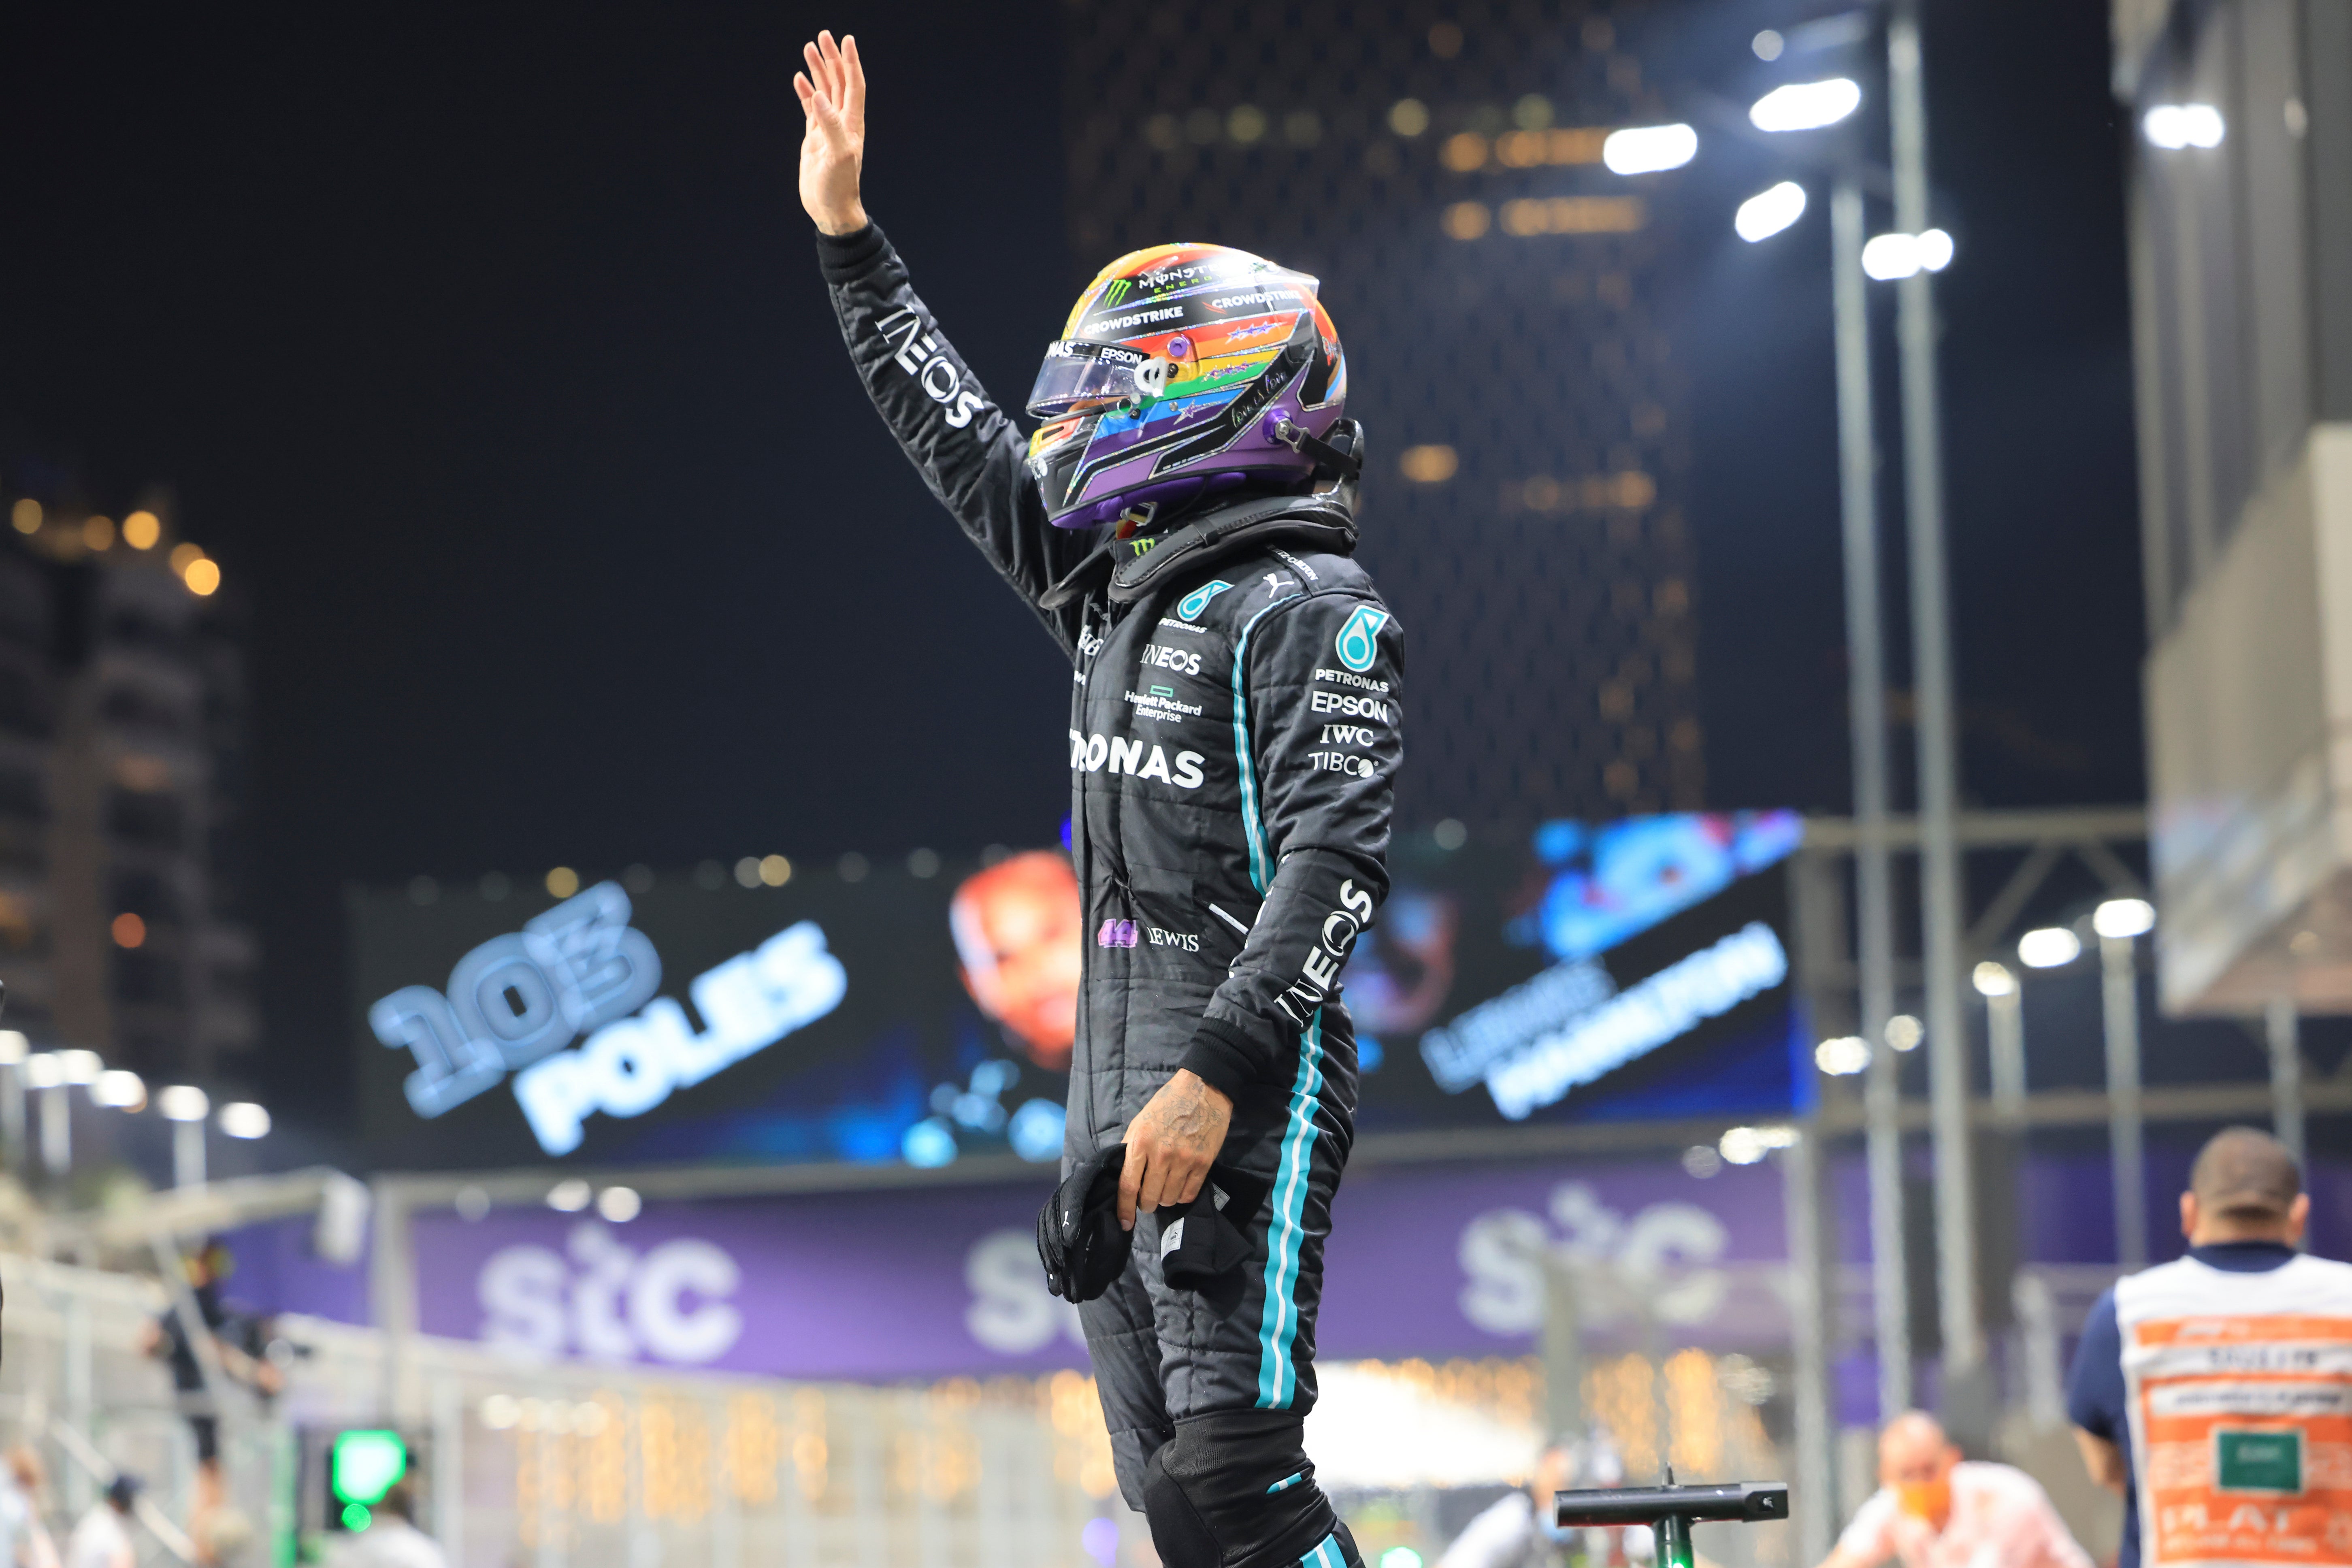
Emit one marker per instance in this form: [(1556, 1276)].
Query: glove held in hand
[(1079, 1239)]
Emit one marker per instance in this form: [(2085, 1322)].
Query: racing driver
[(1183, 522)]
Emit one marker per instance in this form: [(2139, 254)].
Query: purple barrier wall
[(1431, 1261)]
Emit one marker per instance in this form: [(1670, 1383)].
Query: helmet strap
[(1341, 465)]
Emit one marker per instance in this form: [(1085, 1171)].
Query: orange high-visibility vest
[(2240, 1407)]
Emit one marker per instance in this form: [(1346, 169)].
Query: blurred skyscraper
[(122, 737), (1439, 168)]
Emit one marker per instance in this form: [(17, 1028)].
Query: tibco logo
[(1347, 762), (1121, 755)]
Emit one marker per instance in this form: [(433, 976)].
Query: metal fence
[(521, 1464)]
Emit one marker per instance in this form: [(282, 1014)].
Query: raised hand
[(833, 151)]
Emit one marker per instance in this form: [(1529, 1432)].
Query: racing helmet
[(1185, 370)]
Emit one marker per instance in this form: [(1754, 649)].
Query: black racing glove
[(1079, 1239), (1201, 1242)]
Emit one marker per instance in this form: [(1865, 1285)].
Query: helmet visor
[(1079, 374)]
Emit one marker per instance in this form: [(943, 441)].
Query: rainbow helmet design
[(1177, 368)]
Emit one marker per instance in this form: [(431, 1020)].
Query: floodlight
[(619, 1204), (1806, 105), (2048, 948), (2124, 918), (1935, 249), (1844, 1056), (1905, 1031), (568, 1195), (1890, 257), (80, 1067), (2176, 126), (1763, 216), (243, 1118), (1746, 1145), (184, 1103), (1995, 980), (42, 1070), (1648, 149), (121, 1089), (13, 1048)]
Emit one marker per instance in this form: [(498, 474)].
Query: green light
[(366, 1465), (1400, 1557), (356, 1518)]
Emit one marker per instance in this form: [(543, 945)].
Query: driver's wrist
[(842, 223)]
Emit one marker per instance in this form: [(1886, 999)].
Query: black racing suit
[(1233, 736)]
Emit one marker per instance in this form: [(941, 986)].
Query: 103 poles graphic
[(1670, 1510)]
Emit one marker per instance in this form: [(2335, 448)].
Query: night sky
[(488, 352)]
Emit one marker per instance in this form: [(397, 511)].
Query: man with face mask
[(1934, 1510)]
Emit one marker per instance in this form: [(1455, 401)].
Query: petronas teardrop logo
[(1358, 643), (1191, 606)]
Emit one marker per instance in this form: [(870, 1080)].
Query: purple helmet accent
[(1180, 367)]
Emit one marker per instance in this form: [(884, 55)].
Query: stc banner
[(1433, 1261)]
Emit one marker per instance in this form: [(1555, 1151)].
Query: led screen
[(1629, 969)]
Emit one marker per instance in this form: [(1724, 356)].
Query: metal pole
[(2119, 993), (1874, 879), (1563, 1351), (2005, 1020), (1800, 1179), (187, 1154), (2286, 1074), (12, 1111), (1939, 857), (57, 1131)]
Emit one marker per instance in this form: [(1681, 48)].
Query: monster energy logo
[(1117, 291)]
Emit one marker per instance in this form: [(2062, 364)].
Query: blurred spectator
[(102, 1538), (208, 1269), (391, 1538), (2243, 1282), (1934, 1510), (1517, 1532), (23, 1539), (1017, 929)]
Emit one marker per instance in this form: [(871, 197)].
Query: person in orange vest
[(2214, 1392)]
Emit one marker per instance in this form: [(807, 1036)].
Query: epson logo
[(1183, 662), (1353, 706), (1096, 753)]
